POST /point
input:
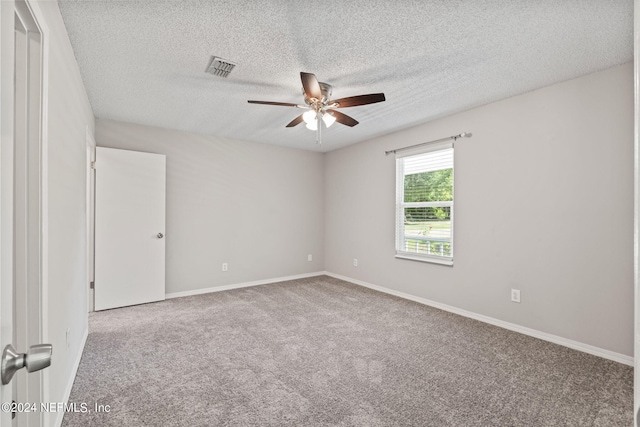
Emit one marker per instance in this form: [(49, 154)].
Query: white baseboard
[(586, 348), (72, 377), (241, 285)]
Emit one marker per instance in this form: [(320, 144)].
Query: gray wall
[(257, 207), (544, 204), (69, 114)]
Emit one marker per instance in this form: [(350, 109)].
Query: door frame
[(90, 212), (7, 28), (636, 209), (37, 313)]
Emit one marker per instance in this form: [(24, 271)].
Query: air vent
[(220, 67)]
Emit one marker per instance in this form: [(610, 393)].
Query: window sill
[(441, 261)]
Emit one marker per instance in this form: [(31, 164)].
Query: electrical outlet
[(225, 266), (515, 295), (309, 257), (68, 335), (355, 262)]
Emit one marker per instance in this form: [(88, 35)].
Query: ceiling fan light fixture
[(328, 119), (313, 125), (309, 117)]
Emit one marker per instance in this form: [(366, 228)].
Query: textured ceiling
[(144, 61)]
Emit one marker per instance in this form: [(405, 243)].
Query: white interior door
[(129, 228), (22, 230)]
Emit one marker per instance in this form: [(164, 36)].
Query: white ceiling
[(144, 61)]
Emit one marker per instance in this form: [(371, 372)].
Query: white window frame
[(401, 252)]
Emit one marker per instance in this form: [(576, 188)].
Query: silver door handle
[(160, 235), (38, 357)]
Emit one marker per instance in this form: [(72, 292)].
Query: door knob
[(160, 235), (37, 357)]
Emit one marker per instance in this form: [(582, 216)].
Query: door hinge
[(92, 285), (93, 165)]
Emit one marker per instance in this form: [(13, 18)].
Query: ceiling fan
[(322, 109)]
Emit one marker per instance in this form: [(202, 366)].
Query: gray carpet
[(323, 352)]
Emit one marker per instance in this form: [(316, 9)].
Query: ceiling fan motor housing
[(325, 89)]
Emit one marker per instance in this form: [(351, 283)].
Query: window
[(424, 204)]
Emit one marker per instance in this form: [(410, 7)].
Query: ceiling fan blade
[(311, 86), (344, 119), (353, 101), (295, 121), (283, 104)]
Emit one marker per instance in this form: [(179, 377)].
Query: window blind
[(424, 204)]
